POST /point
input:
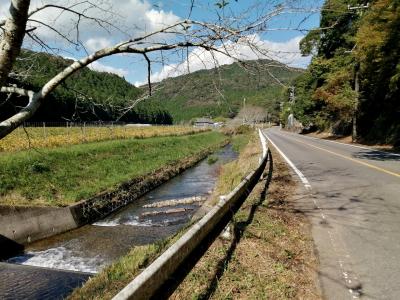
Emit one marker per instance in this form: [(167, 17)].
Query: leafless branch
[(16, 90), (148, 72), (214, 37)]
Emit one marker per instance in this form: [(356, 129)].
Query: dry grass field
[(50, 137)]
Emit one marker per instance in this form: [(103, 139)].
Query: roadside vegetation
[(65, 175), (231, 174), (354, 73), (270, 255), (50, 137)]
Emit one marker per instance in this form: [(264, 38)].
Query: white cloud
[(104, 68), (249, 48), (124, 19), (157, 19), (137, 17), (94, 44)]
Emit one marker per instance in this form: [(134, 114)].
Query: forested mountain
[(86, 96), (220, 92), (91, 96), (357, 47)]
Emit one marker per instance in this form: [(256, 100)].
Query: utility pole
[(357, 90), (244, 111), (359, 8)]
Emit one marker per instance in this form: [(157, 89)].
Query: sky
[(124, 19)]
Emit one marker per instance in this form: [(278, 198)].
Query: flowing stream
[(71, 257)]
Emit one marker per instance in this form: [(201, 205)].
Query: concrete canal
[(53, 267)]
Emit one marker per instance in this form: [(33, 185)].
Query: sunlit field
[(50, 137)]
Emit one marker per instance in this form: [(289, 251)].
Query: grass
[(270, 255), (232, 173), (212, 159), (115, 277), (51, 137), (240, 141), (65, 175)]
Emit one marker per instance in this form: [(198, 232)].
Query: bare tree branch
[(217, 38), (148, 72), (19, 91)]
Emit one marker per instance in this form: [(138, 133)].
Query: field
[(50, 137), (64, 175)]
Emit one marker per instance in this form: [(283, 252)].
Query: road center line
[(344, 144), (351, 159)]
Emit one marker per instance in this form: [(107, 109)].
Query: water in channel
[(71, 257)]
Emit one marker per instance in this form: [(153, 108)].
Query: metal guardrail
[(162, 277)]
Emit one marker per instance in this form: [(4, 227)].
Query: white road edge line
[(344, 144), (303, 178), (354, 293)]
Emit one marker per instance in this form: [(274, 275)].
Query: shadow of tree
[(238, 230), (376, 155)]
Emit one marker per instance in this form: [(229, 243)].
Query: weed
[(212, 159)]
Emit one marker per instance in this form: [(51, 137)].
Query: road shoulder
[(271, 253)]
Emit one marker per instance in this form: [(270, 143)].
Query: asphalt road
[(352, 196)]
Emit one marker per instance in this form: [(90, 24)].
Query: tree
[(329, 82), (353, 79), (252, 114), (219, 38)]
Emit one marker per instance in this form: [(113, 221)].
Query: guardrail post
[(226, 233)]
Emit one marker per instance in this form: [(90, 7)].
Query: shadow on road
[(376, 155)]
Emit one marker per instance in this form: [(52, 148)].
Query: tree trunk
[(13, 36)]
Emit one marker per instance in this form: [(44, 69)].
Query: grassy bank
[(270, 255), (232, 173), (64, 175)]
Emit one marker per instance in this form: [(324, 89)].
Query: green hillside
[(220, 92), (87, 95)]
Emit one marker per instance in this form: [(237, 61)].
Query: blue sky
[(136, 17)]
